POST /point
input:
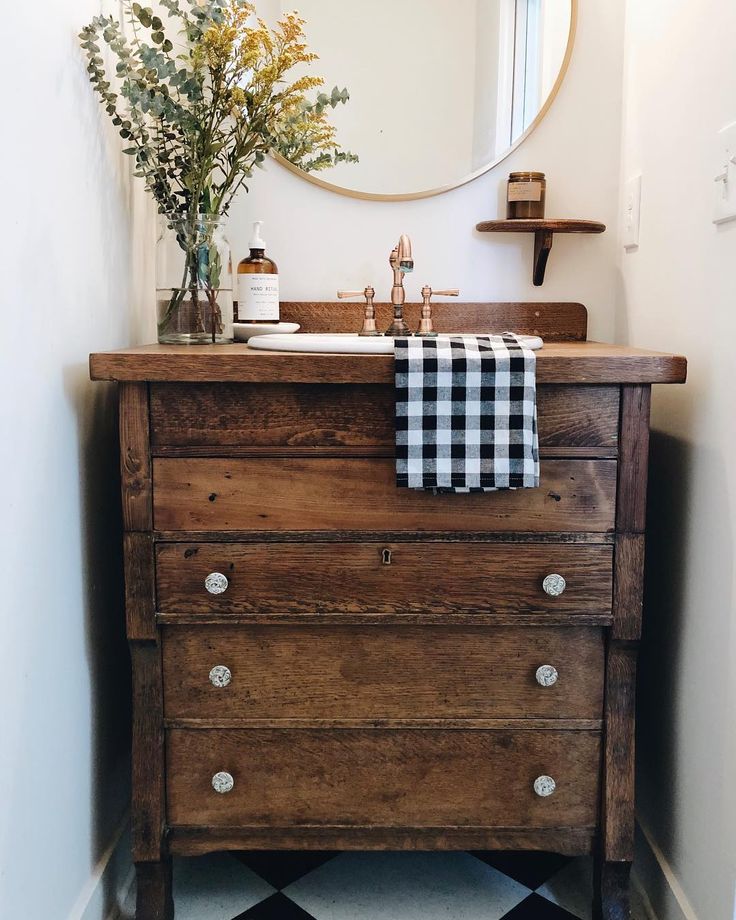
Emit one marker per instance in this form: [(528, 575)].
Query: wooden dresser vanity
[(323, 661)]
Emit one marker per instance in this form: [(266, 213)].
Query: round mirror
[(440, 90)]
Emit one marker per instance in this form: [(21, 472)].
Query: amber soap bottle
[(258, 284)]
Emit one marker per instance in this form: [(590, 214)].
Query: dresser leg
[(611, 891), (154, 900)]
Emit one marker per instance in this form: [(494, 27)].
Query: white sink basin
[(344, 343)]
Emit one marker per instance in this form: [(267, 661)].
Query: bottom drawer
[(386, 778)]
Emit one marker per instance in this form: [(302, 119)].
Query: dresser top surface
[(557, 362)]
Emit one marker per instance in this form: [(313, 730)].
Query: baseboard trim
[(116, 913), (655, 880), (90, 903), (640, 896)]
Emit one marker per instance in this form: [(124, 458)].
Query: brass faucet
[(402, 262), (426, 327), (369, 317)]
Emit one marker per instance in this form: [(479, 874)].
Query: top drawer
[(298, 416)]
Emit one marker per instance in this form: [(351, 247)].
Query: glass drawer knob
[(546, 675), (220, 676), (222, 783), (544, 786), (554, 585), (216, 583)]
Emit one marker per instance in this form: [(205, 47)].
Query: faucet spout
[(401, 261), (406, 260)]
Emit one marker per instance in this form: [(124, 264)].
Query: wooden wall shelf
[(544, 231)]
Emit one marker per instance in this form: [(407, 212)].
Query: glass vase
[(194, 281)]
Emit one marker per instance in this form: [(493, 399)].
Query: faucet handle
[(369, 318), (426, 328)]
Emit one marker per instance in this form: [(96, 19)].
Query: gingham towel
[(466, 414)]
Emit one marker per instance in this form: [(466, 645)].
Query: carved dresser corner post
[(616, 849), (153, 866)]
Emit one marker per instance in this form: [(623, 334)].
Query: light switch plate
[(632, 213), (725, 175)]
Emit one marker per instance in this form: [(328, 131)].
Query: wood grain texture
[(557, 362), (531, 225), (554, 453), (332, 494), (353, 578), (382, 619), (378, 536), (411, 672), (522, 725), (135, 460), (634, 459), (628, 596), (154, 900), (618, 759), (393, 778), (140, 590), (356, 416), (196, 841), (553, 321), (148, 776)]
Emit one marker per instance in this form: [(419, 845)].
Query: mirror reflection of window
[(439, 89)]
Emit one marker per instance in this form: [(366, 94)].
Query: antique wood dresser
[(323, 661)]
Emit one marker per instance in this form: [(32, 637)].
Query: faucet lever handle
[(369, 317), (426, 328)]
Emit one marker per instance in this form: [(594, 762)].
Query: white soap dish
[(245, 331)]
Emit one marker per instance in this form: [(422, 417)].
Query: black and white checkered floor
[(383, 886)]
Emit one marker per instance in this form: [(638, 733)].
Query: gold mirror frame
[(413, 196)]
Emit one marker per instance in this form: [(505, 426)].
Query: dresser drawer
[(382, 778), (299, 416), (361, 495), (382, 672), (384, 578)]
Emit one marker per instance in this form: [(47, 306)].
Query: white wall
[(71, 283), (322, 241), (678, 293)]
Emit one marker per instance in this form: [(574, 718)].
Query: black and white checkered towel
[(466, 414)]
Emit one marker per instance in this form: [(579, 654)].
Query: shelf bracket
[(544, 234), (542, 248)]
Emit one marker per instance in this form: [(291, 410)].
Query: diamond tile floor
[(382, 886)]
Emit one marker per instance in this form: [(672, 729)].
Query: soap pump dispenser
[(258, 284)]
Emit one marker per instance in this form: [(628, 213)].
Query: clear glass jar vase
[(194, 281)]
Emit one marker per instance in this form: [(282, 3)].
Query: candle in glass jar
[(526, 194)]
